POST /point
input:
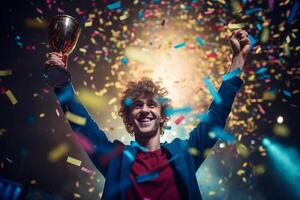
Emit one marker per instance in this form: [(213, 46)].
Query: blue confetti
[(252, 41), (128, 101), (258, 26), (261, 70), (136, 144), (114, 6), (222, 135), (294, 11), (124, 61), (231, 74), (287, 93), (200, 41), (129, 155), (179, 45), (213, 92), (147, 177)]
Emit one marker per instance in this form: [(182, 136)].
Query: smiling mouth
[(145, 120)]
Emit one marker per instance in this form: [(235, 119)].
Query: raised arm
[(218, 112), (102, 148)]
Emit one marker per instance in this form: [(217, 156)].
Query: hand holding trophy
[(64, 32)]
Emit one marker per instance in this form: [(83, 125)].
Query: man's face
[(146, 116)]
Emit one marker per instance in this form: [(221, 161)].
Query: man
[(148, 169)]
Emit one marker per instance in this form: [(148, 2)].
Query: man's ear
[(163, 119)]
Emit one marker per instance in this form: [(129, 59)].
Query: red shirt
[(162, 186)]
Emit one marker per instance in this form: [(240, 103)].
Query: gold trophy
[(64, 32)]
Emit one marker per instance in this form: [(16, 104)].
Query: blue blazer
[(114, 159)]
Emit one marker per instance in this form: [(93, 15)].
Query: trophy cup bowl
[(64, 32)]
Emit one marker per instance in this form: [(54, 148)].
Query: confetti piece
[(73, 161), (231, 74), (236, 26), (7, 72), (11, 97), (124, 61), (179, 119), (258, 170), (252, 41), (261, 70), (128, 101), (84, 142), (213, 92), (88, 171), (88, 24), (58, 152), (147, 177), (200, 41), (242, 150), (179, 45), (114, 6), (193, 151), (136, 144), (287, 93), (222, 135), (75, 118), (168, 127), (294, 11), (281, 130), (129, 155)]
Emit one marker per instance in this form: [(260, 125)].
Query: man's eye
[(136, 106), (152, 105)]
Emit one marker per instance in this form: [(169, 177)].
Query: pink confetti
[(88, 171), (179, 119), (39, 10), (57, 113)]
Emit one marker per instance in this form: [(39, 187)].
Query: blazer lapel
[(128, 157)]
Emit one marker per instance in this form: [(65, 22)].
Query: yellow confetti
[(83, 50), (236, 26), (193, 151), (242, 150), (258, 169), (7, 72), (113, 100), (75, 118), (88, 24), (73, 161), (58, 152), (281, 130), (11, 97), (211, 193), (240, 172)]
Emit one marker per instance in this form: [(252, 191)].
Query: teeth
[(145, 120)]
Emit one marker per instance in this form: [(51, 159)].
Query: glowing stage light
[(286, 162), (279, 119)]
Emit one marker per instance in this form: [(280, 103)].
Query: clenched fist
[(56, 59), (240, 45)]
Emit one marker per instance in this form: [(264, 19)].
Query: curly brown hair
[(144, 87)]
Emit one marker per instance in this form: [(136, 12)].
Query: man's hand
[(56, 59), (240, 45)]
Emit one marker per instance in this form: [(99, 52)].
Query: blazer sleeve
[(102, 147), (216, 117)]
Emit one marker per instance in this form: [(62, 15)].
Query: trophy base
[(57, 76)]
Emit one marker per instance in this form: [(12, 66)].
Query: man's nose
[(145, 108)]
